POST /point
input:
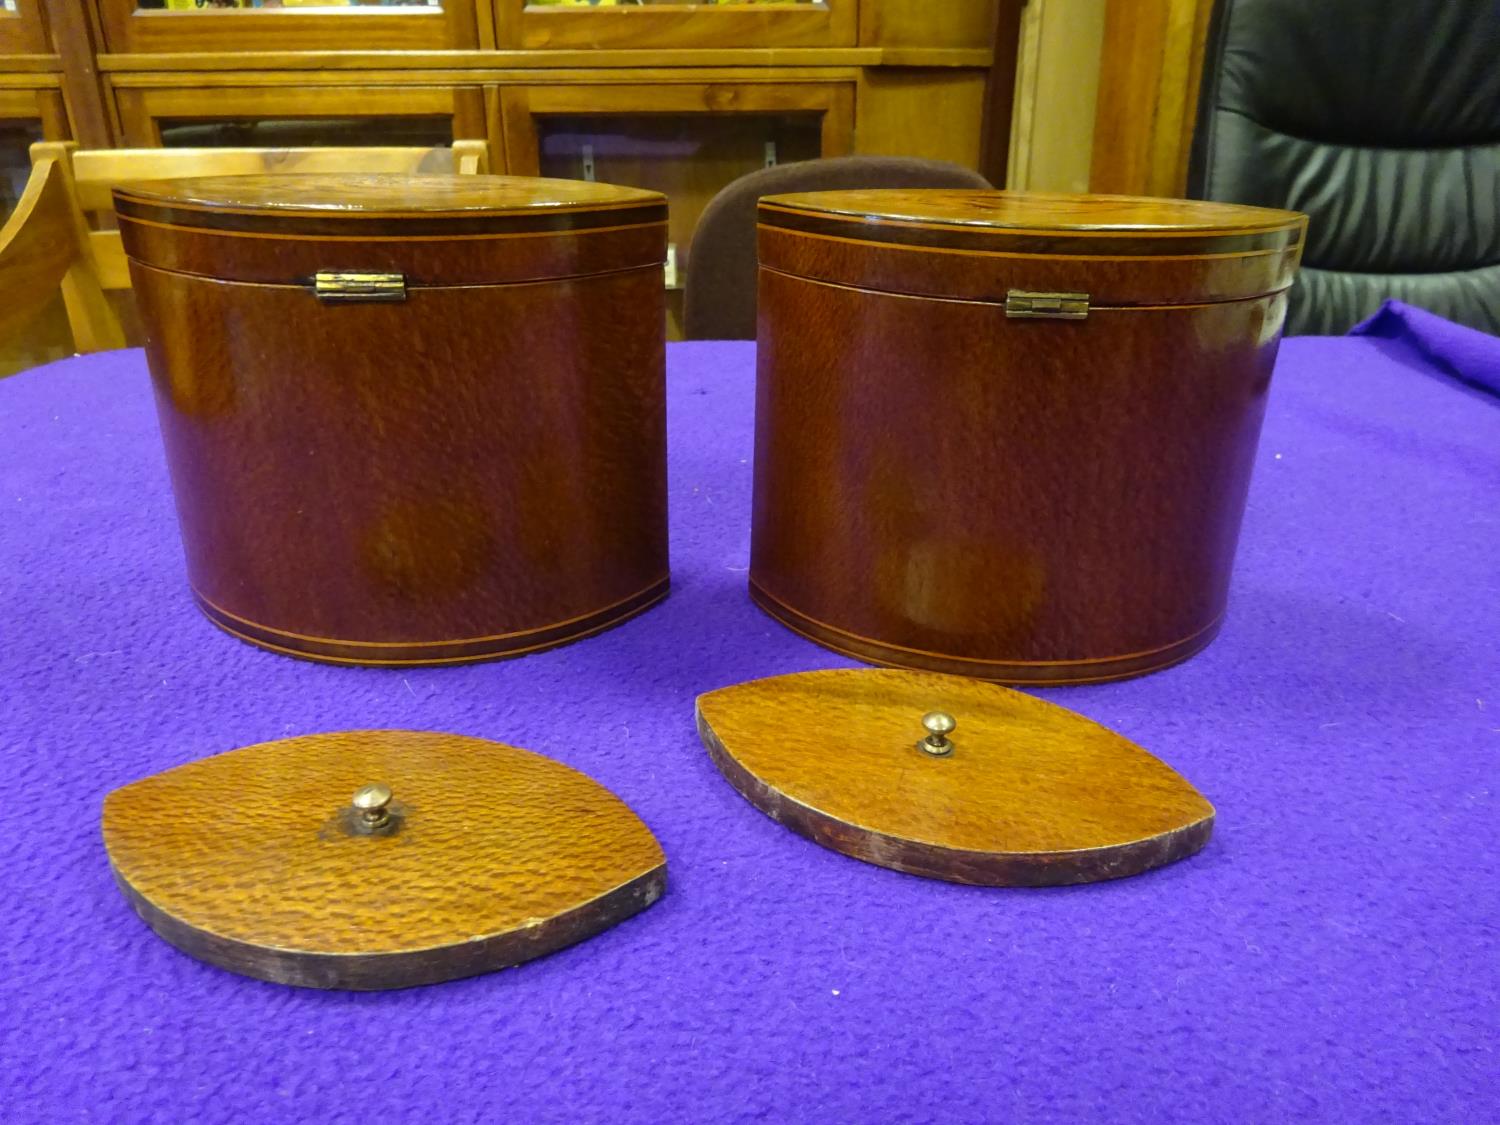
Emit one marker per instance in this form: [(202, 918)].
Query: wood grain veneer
[(476, 470), (1032, 794), (500, 856), (938, 485)]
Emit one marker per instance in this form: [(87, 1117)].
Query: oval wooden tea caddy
[(377, 859), (409, 419), (1008, 435), (1010, 791)]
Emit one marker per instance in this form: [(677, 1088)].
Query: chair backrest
[(94, 173), (1381, 120), (719, 290), (43, 248)]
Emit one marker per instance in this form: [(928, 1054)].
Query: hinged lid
[(434, 230), (950, 778), (377, 859), (974, 245)]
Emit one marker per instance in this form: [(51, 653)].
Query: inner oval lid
[(1027, 794), (499, 855)]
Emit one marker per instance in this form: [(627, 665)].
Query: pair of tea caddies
[(421, 420)]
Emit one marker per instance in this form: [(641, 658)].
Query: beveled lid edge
[(337, 195), (825, 204), (332, 205)]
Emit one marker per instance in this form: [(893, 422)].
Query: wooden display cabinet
[(324, 25), (549, 24)]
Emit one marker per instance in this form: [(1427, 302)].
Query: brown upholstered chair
[(719, 290)]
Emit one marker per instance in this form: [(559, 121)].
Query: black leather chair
[(1381, 120), (719, 291)]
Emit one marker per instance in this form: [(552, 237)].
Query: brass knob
[(373, 805), (939, 726)]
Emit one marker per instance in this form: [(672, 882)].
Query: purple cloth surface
[(1331, 955), (1467, 354)]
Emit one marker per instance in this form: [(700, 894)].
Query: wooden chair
[(43, 246), (718, 297), (87, 177)]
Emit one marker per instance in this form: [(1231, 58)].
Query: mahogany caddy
[(409, 419), (1010, 436)]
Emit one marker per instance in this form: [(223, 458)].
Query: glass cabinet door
[(675, 23), (288, 25), (295, 116), (686, 141)]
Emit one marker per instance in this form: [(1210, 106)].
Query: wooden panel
[(629, 77), (829, 24), (937, 114), (88, 119), (603, 60), (53, 110), (1056, 87), (131, 29), (1000, 92), (922, 23), (1148, 91), (36, 103), (30, 64), (24, 31)]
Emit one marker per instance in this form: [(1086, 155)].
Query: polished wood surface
[(499, 856), (477, 470), (830, 23), (940, 486), (97, 172), (1150, 70), (1031, 794), (919, 23), (91, 175), (1048, 213), (895, 109), (380, 195)]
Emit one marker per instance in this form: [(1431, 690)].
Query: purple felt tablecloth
[(1331, 956)]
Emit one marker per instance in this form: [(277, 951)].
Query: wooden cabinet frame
[(36, 103), (829, 23), (132, 30), (226, 96), (514, 109), (24, 31)]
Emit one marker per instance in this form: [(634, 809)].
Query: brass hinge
[(1046, 306), (359, 285)]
